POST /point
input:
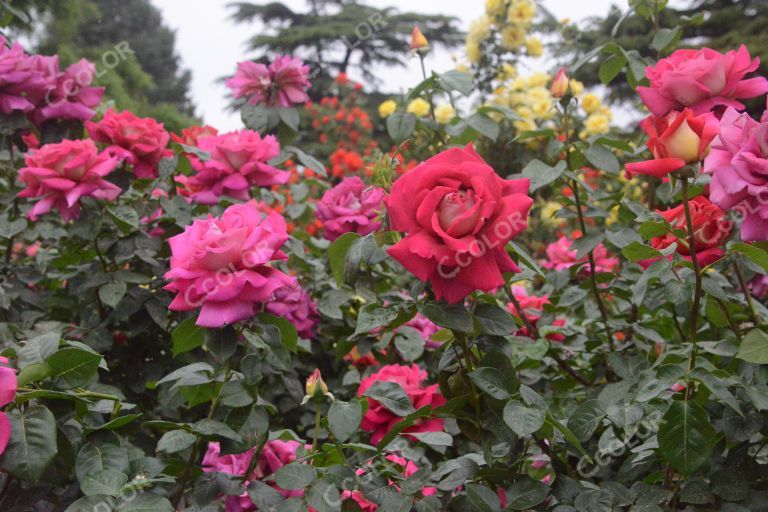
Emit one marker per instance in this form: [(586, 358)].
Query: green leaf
[(73, 367), (112, 293), (295, 476), (526, 493), (264, 496), (222, 343), (585, 419), (92, 504), (392, 396), (373, 316), (144, 502), (610, 68), (603, 158), (455, 80), (409, 343), (482, 498), (308, 160), (686, 436), (523, 420), (289, 116), (400, 125), (542, 174), (175, 441), (494, 320), (187, 336), (433, 438), (492, 382), (288, 334), (344, 419), (93, 458), (665, 37), (485, 125), (636, 251), (125, 218), (106, 482), (452, 316), (32, 445), (337, 255), (754, 347), (754, 253)]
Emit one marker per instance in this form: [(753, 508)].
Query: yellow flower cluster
[(530, 98), (511, 19)]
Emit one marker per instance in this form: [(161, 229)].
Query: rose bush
[(477, 296)]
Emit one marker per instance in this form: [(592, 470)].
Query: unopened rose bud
[(316, 386), (559, 84), (419, 42)]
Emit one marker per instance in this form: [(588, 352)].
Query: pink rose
[(675, 140), (759, 286), (426, 328), (223, 264), (8, 385), (379, 420), (139, 141), (70, 95), (156, 231), (238, 161), (710, 230), (702, 80), (60, 174), (295, 305), (350, 206), (738, 164), (21, 82), (458, 216), (274, 455), (283, 83), (191, 136), (560, 256)]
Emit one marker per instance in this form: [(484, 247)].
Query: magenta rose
[(222, 265), (8, 385), (350, 206), (238, 161), (282, 84), (758, 285), (458, 216), (379, 420), (70, 95), (60, 174), (140, 141), (702, 80), (21, 82), (295, 305), (560, 256), (738, 163), (274, 455)]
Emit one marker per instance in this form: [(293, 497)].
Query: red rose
[(677, 139), (139, 141), (710, 230), (379, 420), (458, 215)]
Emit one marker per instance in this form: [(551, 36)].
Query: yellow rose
[(387, 108), (533, 46), (525, 125), (521, 12), (597, 124), (512, 37), (590, 103), (444, 113), (494, 7), (524, 112), (418, 107), (548, 213), (542, 109), (576, 87), (538, 94), (538, 79)]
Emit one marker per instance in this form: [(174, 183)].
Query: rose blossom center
[(683, 143), (454, 213)]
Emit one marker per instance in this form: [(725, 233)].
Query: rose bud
[(559, 84), (419, 42), (316, 387)]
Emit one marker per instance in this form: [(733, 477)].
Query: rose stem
[(745, 290), (697, 274)]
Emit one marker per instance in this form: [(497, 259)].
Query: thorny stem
[(745, 291), (535, 332), (697, 274)]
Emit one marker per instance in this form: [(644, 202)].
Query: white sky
[(211, 45)]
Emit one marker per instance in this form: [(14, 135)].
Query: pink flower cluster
[(36, 85), (379, 420), (532, 306), (560, 256), (8, 385), (284, 82), (223, 264), (274, 455), (350, 206), (60, 174), (738, 164), (139, 141), (295, 305), (238, 160)]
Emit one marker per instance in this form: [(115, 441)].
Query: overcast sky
[(211, 45)]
